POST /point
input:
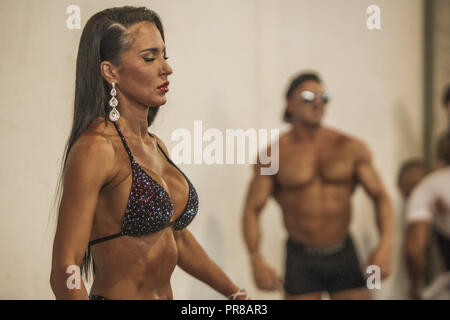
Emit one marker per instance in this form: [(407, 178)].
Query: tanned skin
[(319, 170), (97, 182)]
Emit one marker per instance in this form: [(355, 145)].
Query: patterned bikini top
[(149, 208)]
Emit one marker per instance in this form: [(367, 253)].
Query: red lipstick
[(164, 87)]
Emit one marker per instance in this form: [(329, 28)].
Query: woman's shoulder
[(90, 162), (101, 128), (95, 143)]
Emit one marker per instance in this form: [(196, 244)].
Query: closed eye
[(153, 59)]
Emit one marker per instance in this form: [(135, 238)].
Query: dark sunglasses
[(309, 96)]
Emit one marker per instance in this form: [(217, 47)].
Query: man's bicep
[(369, 179), (260, 189), (366, 173)]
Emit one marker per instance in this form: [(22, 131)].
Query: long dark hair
[(104, 38)]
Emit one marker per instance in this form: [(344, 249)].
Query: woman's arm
[(193, 259), (89, 167)]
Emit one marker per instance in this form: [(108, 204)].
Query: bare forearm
[(416, 267), (60, 287), (415, 246), (193, 259), (252, 234), (385, 220)]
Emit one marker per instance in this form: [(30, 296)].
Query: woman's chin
[(158, 103)]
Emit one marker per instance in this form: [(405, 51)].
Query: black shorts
[(331, 269)]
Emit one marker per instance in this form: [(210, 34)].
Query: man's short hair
[(408, 164)]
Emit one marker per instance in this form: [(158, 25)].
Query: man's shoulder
[(345, 138), (285, 137), (351, 144)]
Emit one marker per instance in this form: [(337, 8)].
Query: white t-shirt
[(420, 206)]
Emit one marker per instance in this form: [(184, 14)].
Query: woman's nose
[(167, 69)]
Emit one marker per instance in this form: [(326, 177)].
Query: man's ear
[(109, 72), (289, 105)]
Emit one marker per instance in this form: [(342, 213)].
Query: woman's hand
[(193, 259), (241, 294)]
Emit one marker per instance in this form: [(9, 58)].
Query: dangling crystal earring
[(114, 115)]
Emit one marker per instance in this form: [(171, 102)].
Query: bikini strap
[(113, 236), (167, 157), (172, 163), (162, 150), (124, 141)]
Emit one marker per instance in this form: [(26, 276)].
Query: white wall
[(232, 61)]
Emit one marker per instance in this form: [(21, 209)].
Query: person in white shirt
[(428, 207), (410, 174)]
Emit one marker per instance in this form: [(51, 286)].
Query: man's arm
[(415, 245), (260, 189), (368, 178), (418, 217)]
